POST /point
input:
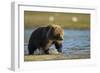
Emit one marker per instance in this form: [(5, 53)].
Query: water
[(76, 42)]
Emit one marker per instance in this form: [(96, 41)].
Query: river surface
[(76, 42)]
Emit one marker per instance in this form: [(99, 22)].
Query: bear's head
[(55, 32)]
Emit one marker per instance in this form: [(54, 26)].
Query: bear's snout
[(59, 37)]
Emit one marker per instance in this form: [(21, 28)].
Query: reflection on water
[(75, 42)]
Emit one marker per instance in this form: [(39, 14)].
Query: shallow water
[(76, 42)]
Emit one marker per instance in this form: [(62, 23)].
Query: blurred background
[(34, 19)]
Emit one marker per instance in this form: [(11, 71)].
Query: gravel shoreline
[(55, 57)]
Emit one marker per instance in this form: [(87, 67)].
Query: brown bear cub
[(44, 37)]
